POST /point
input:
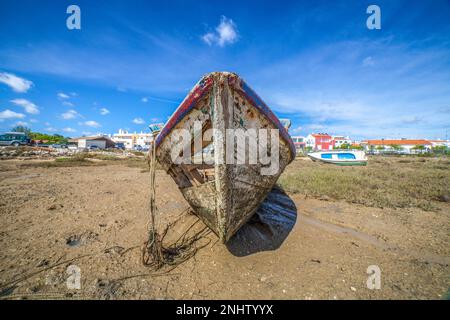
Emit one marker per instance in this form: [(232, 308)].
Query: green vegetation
[(396, 147), (346, 146), (441, 150), (393, 182), (50, 139), (55, 138), (21, 129)]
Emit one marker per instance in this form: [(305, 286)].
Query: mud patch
[(81, 239)]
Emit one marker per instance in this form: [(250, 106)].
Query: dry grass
[(90, 159), (394, 182)]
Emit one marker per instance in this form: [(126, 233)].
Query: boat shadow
[(267, 228)]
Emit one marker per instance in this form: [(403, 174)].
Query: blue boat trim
[(340, 156)]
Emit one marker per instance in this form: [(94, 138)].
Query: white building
[(299, 143), (407, 146), (133, 140), (100, 142), (340, 140), (440, 143)]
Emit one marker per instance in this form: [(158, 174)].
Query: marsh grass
[(384, 182), (90, 159)]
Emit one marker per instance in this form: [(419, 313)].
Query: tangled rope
[(155, 253)]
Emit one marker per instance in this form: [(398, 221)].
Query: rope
[(155, 254)]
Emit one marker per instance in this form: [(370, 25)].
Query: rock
[(43, 263), (444, 198), (115, 250), (353, 288)]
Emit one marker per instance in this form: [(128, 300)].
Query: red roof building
[(320, 141)]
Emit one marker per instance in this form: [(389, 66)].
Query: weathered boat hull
[(223, 195)]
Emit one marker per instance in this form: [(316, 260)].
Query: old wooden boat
[(223, 195), (342, 158)]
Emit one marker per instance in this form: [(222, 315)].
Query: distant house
[(133, 140), (319, 141), (338, 141), (400, 146), (440, 143), (299, 143), (100, 142)]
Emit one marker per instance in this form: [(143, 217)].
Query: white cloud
[(71, 114), (16, 83), (297, 130), (8, 114), (69, 130), (104, 111), (62, 95), (144, 99), (34, 121), (138, 121), (91, 123), (368, 62), (27, 105), (226, 33), (209, 38), (51, 129), (21, 123), (67, 104)]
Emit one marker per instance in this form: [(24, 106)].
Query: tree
[(345, 146), (440, 149), (56, 138), (23, 129), (396, 147)]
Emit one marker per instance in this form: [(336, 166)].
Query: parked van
[(14, 139)]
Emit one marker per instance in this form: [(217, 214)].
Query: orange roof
[(398, 142), (321, 135)]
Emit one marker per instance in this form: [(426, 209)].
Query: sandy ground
[(51, 215)]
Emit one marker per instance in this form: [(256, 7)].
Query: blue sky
[(314, 62)]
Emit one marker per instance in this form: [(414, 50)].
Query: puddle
[(268, 228), (81, 239), (73, 241)]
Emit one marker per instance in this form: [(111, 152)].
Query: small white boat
[(342, 158)]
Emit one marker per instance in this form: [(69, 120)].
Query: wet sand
[(51, 215)]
